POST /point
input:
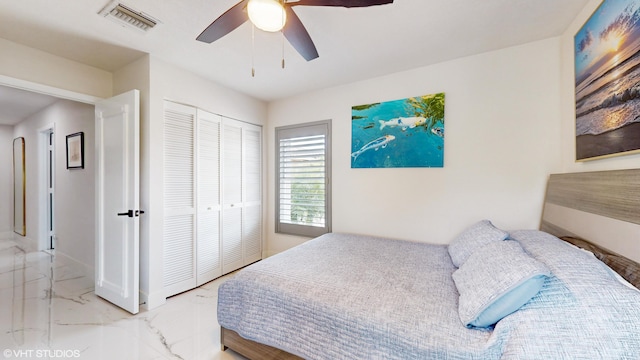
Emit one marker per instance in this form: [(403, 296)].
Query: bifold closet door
[(231, 196), (252, 209), (179, 255), (212, 196), (208, 262), (242, 194)]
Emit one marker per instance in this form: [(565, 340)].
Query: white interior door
[(117, 200)]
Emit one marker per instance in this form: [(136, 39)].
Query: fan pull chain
[(253, 50), (282, 32), (283, 50)]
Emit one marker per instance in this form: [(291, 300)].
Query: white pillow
[(473, 238), (496, 281)]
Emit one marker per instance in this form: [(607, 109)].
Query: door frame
[(44, 242), (48, 90)]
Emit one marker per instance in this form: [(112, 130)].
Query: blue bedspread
[(343, 296)]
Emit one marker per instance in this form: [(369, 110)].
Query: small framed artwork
[(75, 151)]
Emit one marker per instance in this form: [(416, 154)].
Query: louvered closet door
[(179, 271), (252, 202), (231, 196), (208, 262)]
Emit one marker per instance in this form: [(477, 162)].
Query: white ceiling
[(354, 44), (16, 105)]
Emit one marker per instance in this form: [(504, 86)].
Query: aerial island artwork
[(400, 133), (607, 78)]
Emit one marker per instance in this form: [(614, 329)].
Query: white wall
[(6, 179), (502, 125), (568, 107), (25, 63), (29, 129), (74, 189)]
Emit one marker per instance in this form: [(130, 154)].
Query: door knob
[(131, 213)]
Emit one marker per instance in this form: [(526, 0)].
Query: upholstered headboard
[(598, 211)]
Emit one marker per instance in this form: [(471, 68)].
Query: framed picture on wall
[(399, 133), (75, 151), (607, 68)]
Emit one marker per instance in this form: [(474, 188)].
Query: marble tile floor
[(48, 310)]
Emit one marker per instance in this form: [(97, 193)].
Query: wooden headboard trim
[(614, 194), (601, 207)]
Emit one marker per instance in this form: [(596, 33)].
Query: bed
[(490, 294)]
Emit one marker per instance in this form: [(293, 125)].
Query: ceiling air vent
[(128, 17)]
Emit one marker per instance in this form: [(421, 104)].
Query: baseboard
[(266, 254), (26, 243), (152, 301)]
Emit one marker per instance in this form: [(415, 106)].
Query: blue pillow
[(473, 238), (496, 281)]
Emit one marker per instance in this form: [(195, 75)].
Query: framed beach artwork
[(75, 151), (607, 78), (401, 133)]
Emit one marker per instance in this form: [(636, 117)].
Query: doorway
[(50, 194), (65, 194), (49, 198)]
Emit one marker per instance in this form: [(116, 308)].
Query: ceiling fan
[(282, 17)]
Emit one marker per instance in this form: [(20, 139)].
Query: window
[(303, 188)]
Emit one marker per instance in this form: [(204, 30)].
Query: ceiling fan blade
[(225, 24), (343, 3), (298, 36)]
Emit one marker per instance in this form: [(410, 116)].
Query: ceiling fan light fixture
[(267, 15)]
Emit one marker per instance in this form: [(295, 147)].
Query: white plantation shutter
[(303, 191)]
